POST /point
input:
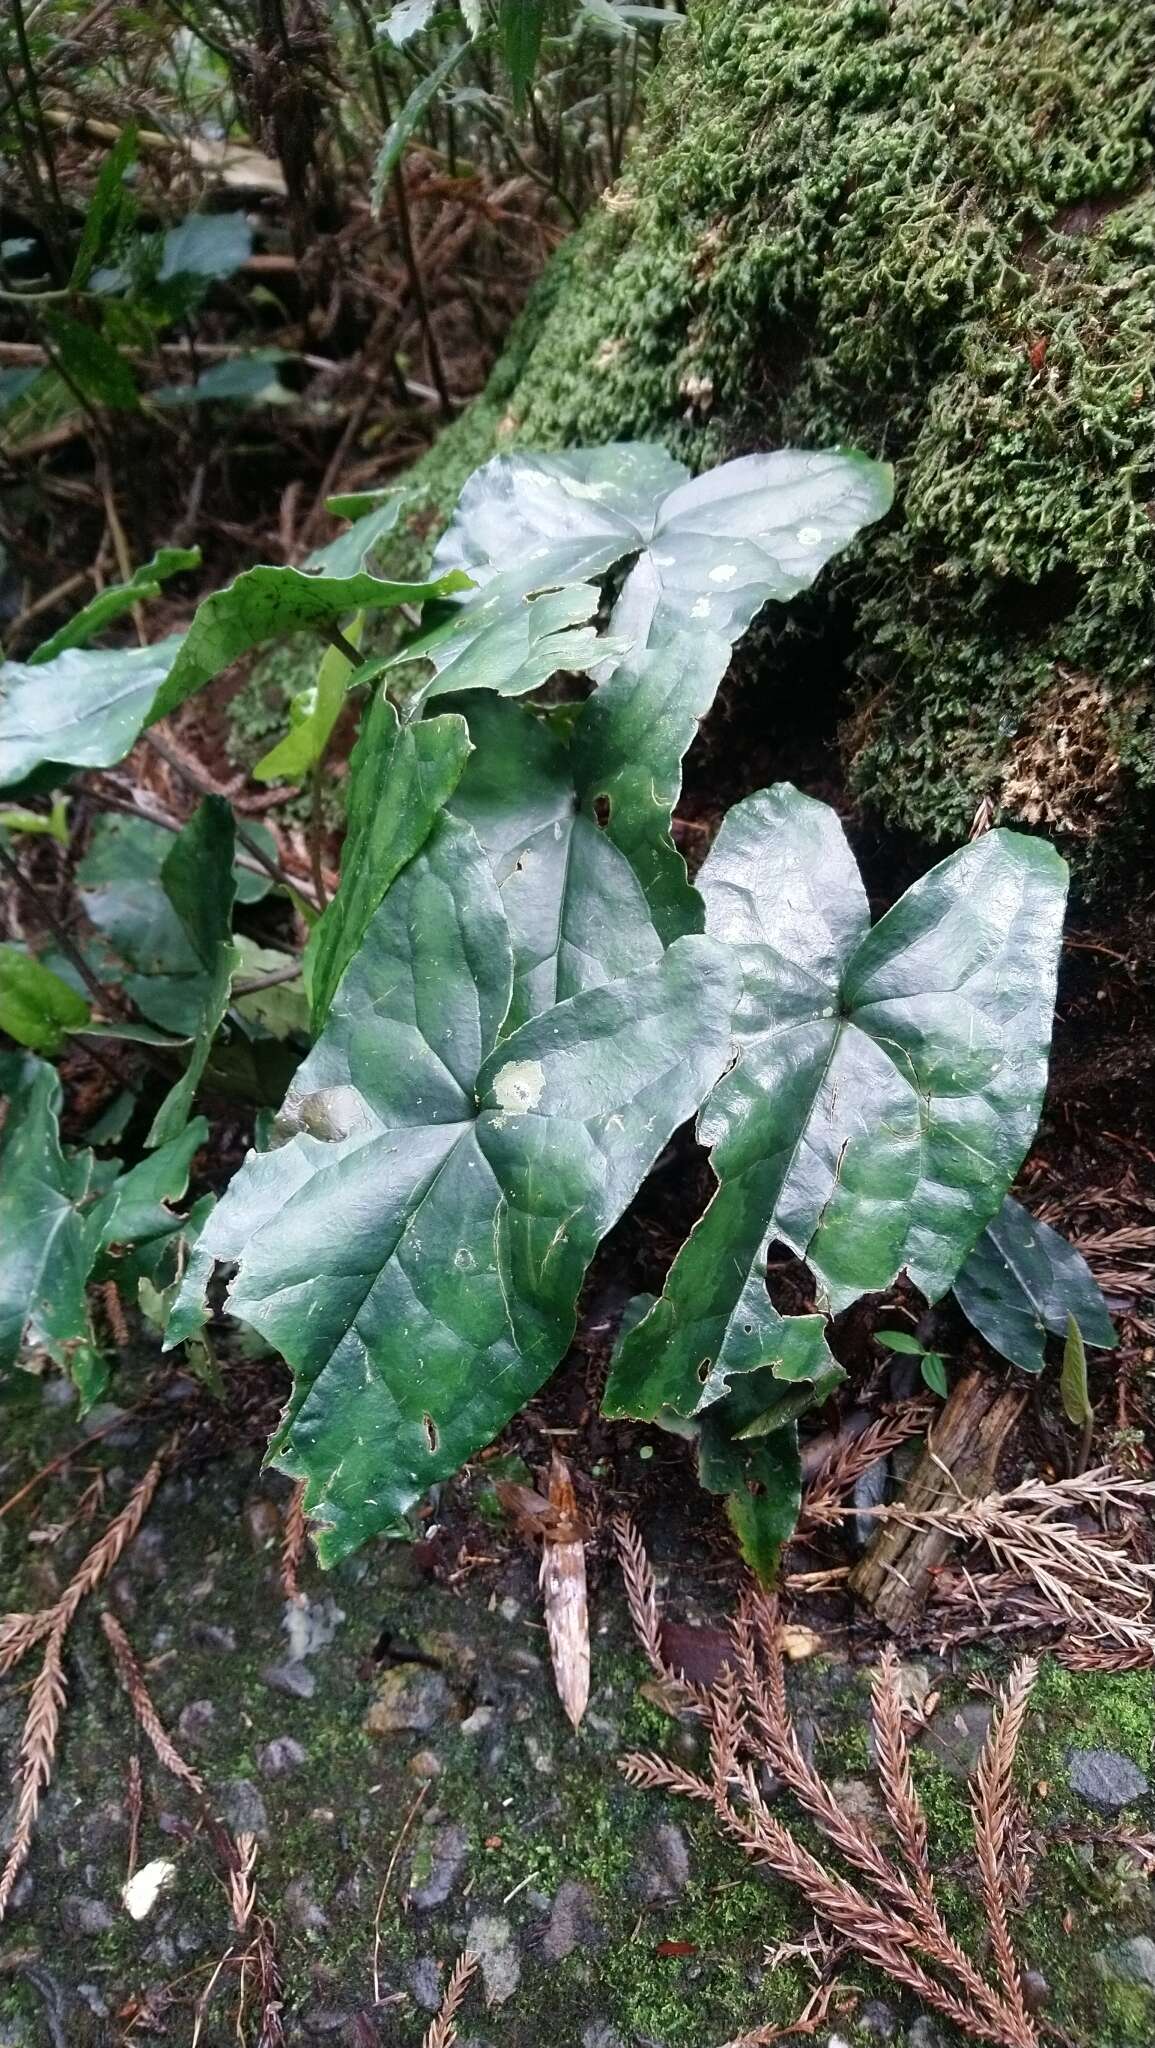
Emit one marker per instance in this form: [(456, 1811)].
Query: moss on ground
[(929, 230)]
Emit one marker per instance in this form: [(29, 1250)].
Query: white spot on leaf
[(518, 1085), (725, 572), (700, 609), (809, 536)]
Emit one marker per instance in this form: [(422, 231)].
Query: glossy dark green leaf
[(415, 1244), (710, 552), (1021, 1280), (762, 1482), (116, 598), (577, 913), (887, 1085), (124, 897), (137, 1208), (37, 1008), (197, 877), (508, 641), (45, 1246), (400, 778)]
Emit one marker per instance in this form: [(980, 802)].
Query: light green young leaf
[(934, 1373), (53, 823), (1073, 1379), (198, 880), (312, 715), (415, 1246), (37, 1008), (108, 604), (900, 1340), (887, 1085), (1021, 1280), (400, 778)]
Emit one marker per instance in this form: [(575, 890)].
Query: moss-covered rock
[(927, 228)]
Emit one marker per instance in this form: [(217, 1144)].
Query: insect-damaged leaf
[(415, 1244), (1023, 1279), (887, 1085)]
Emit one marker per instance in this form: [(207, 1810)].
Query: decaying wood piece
[(959, 1462)]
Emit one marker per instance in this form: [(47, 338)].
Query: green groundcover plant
[(516, 996)]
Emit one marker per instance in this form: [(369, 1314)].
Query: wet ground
[(395, 1743)]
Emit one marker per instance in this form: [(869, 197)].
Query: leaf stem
[(204, 787), (317, 834)]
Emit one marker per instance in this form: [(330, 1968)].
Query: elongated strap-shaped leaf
[(86, 708), (199, 883), (887, 1085), (400, 777), (416, 1247), (117, 598), (1023, 1279), (577, 912)]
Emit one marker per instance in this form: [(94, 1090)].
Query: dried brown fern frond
[(887, 1912), (293, 1542), (442, 2032), (821, 1502), (642, 1599), (19, 1633), (1053, 1569), (37, 1754), (993, 1805), (132, 1679)]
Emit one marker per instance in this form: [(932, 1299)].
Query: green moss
[(928, 229)]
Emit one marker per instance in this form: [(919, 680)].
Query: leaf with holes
[(1023, 1279), (415, 1243), (887, 1084)]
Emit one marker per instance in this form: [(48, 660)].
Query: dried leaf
[(563, 1582)]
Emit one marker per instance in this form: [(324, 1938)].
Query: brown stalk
[(442, 2032)]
